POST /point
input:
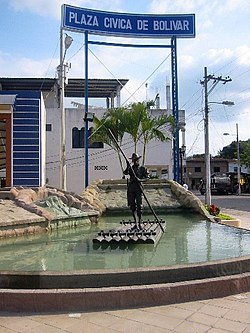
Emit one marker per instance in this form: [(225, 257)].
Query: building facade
[(30, 134), (22, 138), (196, 170), (103, 161)]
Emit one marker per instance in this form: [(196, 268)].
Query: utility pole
[(206, 138), (64, 45), (216, 80), (238, 160)]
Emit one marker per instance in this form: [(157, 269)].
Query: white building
[(102, 161)]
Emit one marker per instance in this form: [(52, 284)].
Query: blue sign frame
[(127, 24), (131, 25)]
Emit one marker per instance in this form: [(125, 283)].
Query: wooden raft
[(149, 233)]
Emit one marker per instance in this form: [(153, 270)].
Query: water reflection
[(187, 239)]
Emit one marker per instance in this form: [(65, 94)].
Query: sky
[(30, 47)]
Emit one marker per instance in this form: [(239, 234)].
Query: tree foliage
[(230, 151), (112, 121), (245, 152), (134, 120)]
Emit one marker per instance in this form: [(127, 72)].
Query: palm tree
[(112, 121), (152, 129), (133, 119), (140, 125)]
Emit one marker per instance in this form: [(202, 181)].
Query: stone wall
[(104, 196), (111, 195)]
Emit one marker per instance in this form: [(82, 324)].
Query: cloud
[(216, 56), (173, 7), (243, 53), (230, 6), (186, 61), (50, 8), (204, 7), (26, 67)]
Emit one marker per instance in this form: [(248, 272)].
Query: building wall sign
[(127, 25), (101, 167)]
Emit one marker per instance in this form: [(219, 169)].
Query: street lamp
[(207, 153), (64, 45), (216, 80), (238, 158), (227, 103)]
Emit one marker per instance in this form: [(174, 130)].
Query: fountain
[(61, 270)]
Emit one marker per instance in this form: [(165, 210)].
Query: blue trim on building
[(27, 148), (24, 128), (34, 162), (22, 121), (26, 115), (27, 182), (18, 168), (26, 138), (27, 108)]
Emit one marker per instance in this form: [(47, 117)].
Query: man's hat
[(135, 157)]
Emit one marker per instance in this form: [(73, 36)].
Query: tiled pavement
[(221, 315)]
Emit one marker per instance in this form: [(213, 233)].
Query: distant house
[(195, 170)]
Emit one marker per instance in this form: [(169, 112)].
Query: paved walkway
[(222, 315), (243, 216)]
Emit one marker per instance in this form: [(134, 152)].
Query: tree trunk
[(144, 154)]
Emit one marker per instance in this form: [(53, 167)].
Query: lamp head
[(89, 116), (67, 41), (228, 103)]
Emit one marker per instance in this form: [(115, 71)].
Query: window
[(216, 169), (164, 174), (75, 138), (48, 127), (153, 173), (78, 139), (197, 169)]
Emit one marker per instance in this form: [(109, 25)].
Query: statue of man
[(137, 174)]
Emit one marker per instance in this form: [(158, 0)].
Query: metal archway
[(90, 21)]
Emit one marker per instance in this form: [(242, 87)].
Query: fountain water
[(61, 270)]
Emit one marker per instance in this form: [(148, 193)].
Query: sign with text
[(127, 25)]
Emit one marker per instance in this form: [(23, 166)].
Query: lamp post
[(216, 80), (207, 153), (238, 158), (64, 45), (206, 138)]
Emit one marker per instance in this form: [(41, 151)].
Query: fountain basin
[(229, 277), (148, 284)]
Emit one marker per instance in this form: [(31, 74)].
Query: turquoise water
[(187, 239)]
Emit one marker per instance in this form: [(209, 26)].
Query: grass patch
[(215, 211), (225, 217)]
